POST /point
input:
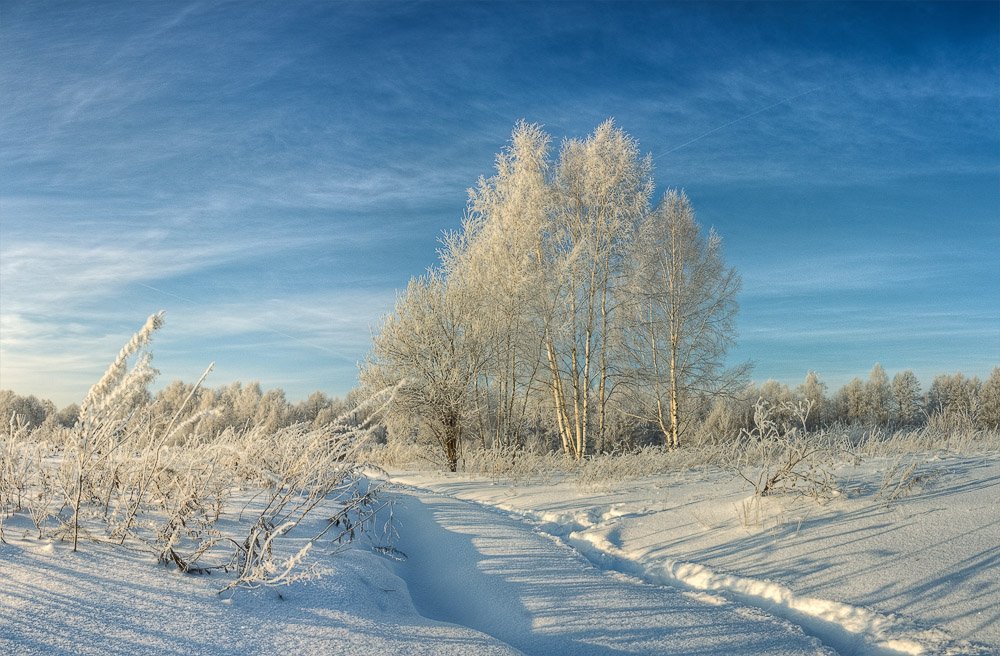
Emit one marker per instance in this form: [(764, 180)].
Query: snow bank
[(107, 600)]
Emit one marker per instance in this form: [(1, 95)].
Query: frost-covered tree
[(67, 416), (849, 402), (177, 399), (954, 394), (507, 274), (905, 398), (780, 402), (989, 400), (430, 348), (728, 415), (601, 189), (272, 412), (316, 410), (683, 303), (877, 397), (244, 400), (812, 391), (30, 409)]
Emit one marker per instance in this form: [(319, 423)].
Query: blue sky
[(271, 173)]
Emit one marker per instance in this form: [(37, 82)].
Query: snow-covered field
[(864, 573), (680, 563)]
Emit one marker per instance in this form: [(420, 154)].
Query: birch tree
[(906, 397), (954, 394), (878, 397), (499, 256), (989, 400), (602, 189), (812, 392), (684, 308), (850, 401)]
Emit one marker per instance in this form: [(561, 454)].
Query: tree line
[(952, 401), (209, 411)]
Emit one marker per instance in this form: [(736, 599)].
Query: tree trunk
[(452, 434)]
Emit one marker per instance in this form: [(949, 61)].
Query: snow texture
[(108, 601), (677, 563), (917, 575), (471, 566)]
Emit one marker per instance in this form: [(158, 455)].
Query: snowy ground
[(474, 567), (105, 600), (672, 564), (917, 574)]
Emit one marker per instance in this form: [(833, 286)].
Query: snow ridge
[(847, 629)]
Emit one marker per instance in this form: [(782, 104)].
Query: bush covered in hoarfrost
[(222, 501)]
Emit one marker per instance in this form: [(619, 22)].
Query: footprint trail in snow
[(476, 568)]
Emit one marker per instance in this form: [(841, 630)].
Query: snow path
[(850, 630), (482, 569), (596, 534)]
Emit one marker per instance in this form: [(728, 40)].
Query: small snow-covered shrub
[(902, 478), (513, 464), (15, 465), (778, 458), (28, 483)]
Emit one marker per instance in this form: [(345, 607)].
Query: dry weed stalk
[(120, 475)]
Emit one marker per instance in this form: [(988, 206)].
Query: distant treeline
[(210, 411), (876, 402)]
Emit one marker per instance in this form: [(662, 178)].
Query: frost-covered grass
[(217, 504), (125, 476), (764, 449)]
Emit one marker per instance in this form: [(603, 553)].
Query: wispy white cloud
[(72, 302), (830, 273), (248, 166), (307, 341)]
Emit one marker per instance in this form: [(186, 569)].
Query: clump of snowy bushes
[(225, 501), (778, 458), (780, 453)]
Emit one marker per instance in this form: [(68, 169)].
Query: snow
[(104, 603), (913, 575), (108, 600), (683, 562), (470, 566)]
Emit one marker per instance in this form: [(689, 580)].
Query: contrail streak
[(166, 293), (741, 118)]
